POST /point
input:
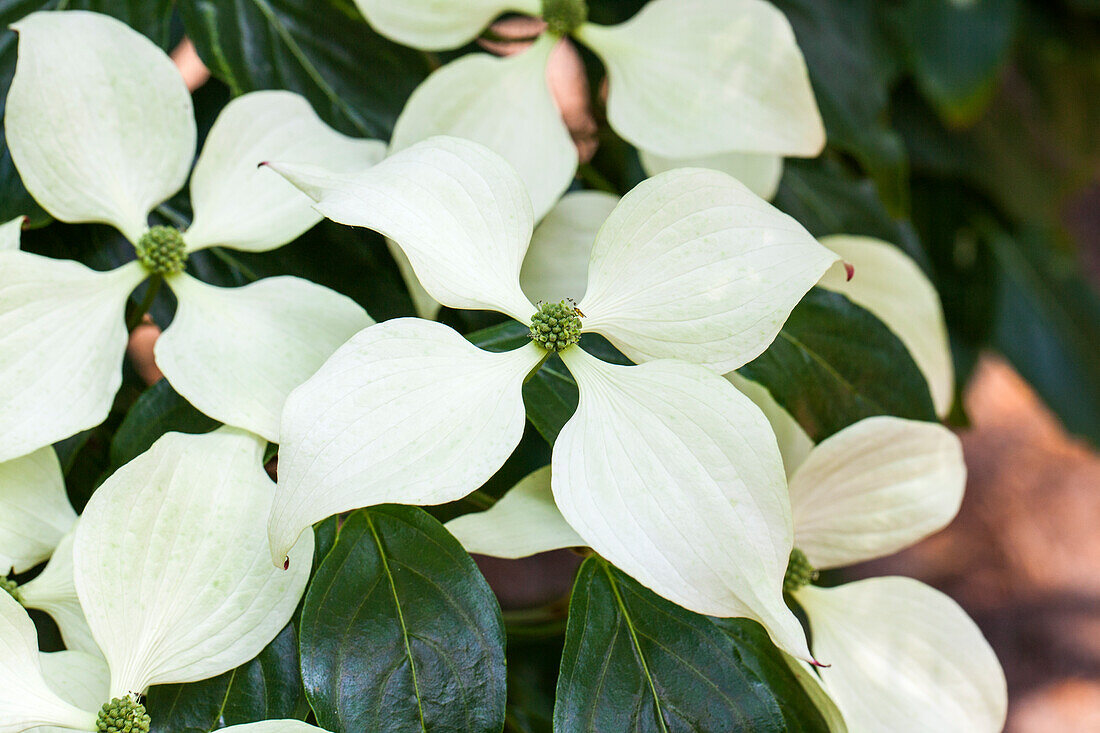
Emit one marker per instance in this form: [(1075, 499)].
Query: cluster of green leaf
[(959, 131)]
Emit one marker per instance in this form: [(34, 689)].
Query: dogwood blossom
[(100, 127), (171, 569), (692, 275), (882, 279), (686, 78), (902, 655)]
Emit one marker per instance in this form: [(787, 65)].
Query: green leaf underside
[(834, 364), (400, 632), (267, 688), (636, 662), (356, 80)]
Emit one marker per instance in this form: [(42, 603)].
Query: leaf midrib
[(637, 648), (400, 619)]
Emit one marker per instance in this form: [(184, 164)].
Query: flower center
[(799, 572), (161, 250), (11, 587), (564, 16), (123, 715), (556, 326)]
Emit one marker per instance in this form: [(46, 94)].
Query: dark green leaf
[(159, 410), (151, 17), (267, 688), (400, 631), (851, 67), (357, 80), (955, 50), (834, 363), (827, 199), (636, 662), (1048, 324)]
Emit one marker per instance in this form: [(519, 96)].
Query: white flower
[(100, 127), (170, 560), (884, 280), (664, 469), (903, 656), (37, 524), (687, 78)]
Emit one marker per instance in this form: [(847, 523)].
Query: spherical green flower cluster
[(123, 715), (564, 16), (799, 572), (162, 251), (556, 326), (10, 586)]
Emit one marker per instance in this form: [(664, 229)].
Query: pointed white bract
[(905, 658), (10, 233), (622, 468), (172, 566), (54, 592), (794, 444), (889, 283), (78, 678), (275, 726), (692, 265), (245, 207), (62, 339), (119, 139), (699, 77), (556, 264), (504, 104), (34, 510), (524, 522), (759, 172), (874, 488), (435, 25), (237, 353), (407, 411), (26, 700), (458, 212)]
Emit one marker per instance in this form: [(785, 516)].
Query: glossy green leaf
[(356, 80), (834, 364), (1048, 324), (159, 410), (851, 67), (151, 17), (267, 688), (400, 631), (955, 50), (636, 662)]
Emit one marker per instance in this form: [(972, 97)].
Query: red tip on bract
[(819, 665), (286, 563), (263, 163), (850, 269), (26, 222)]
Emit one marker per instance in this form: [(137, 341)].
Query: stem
[(597, 180), (177, 218), (151, 290), (480, 499)]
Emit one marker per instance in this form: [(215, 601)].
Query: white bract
[(664, 469), (884, 280), (100, 127), (171, 570), (686, 79), (903, 656)]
